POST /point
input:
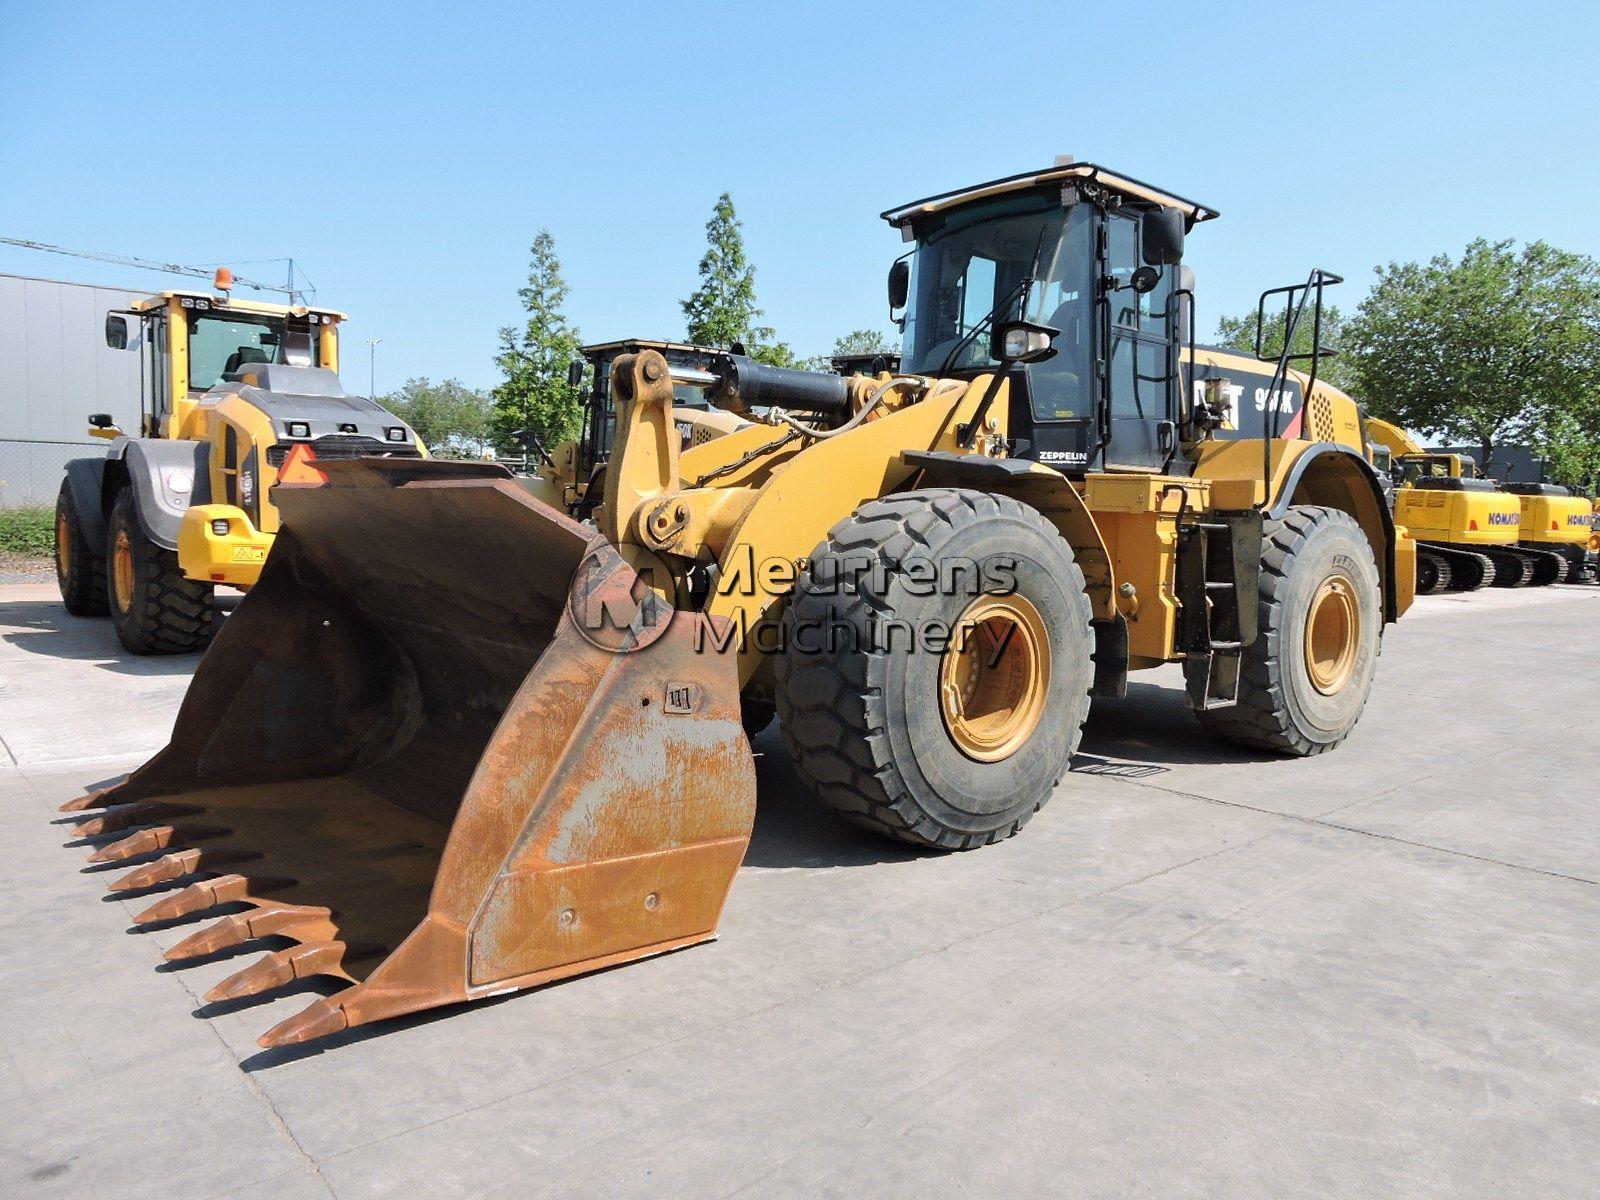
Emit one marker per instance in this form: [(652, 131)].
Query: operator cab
[(1094, 257), (193, 341)]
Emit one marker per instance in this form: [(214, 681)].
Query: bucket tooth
[(175, 866), (272, 919), (320, 1019), (148, 841), (163, 870), (281, 967), (101, 798), (208, 893), (124, 815)]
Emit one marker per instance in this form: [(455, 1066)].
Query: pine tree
[(535, 393), (723, 310)]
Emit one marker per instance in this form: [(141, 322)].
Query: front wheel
[(154, 607), (1305, 679), (936, 667)]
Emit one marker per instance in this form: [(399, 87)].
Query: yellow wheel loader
[(231, 393), (1467, 529), (571, 477), (457, 743)]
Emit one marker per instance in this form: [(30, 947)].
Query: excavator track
[(1511, 570), (1433, 573), (1462, 570)]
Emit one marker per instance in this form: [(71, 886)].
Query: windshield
[(977, 260), (221, 344)]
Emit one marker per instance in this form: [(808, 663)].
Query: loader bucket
[(409, 754)]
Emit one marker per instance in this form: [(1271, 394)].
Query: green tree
[(1239, 333), (1570, 446), (857, 341), (1496, 346), (449, 417), (723, 310), (535, 393)]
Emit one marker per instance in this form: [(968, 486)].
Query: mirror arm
[(967, 435)]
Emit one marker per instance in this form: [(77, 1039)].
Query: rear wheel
[(1305, 679), (936, 667), (80, 568), (155, 609)]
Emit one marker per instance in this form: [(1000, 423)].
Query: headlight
[(179, 481), (395, 434), (219, 527), (299, 429)]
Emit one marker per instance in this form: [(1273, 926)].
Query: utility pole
[(372, 367)]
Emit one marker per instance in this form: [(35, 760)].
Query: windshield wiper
[(1023, 288)]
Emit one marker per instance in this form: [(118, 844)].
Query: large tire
[(895, 734), (1311, 558), (80, 567), (155, 609)]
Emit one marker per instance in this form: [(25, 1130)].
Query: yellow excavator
[(1554, 521), (456, 742), (232, 392), (1469, 530)]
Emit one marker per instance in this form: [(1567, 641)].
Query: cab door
[(1141, 361)]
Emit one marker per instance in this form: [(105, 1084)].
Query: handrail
[(1318, 279)]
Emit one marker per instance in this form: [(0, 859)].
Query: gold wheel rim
[(122, 570), (1333, 632), (63, 546), (994, 677)]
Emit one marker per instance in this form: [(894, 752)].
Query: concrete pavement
[(1197, 972)]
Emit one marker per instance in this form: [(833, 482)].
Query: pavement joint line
[(806, 995), (1370, 833), (274, 1117)]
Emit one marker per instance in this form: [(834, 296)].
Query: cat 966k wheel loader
[(457, 743), (231, 393)]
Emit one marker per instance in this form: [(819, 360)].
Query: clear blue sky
[(405, 153)]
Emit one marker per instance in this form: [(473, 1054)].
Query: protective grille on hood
[(346, 445)]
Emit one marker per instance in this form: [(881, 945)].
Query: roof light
[(223, 280)]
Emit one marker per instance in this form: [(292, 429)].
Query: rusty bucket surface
[(411, 756)]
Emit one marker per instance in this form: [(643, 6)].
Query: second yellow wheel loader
[(231, 393), (456, 743)]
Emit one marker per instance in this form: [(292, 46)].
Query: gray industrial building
[(55, 369)]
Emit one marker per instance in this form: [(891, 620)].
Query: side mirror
[(575, 372), (1022, 342), (101, 421), (1144, 279), (899, 284), (116, 331), (1163, 237)]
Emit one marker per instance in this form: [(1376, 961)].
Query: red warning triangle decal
[(297, 466)]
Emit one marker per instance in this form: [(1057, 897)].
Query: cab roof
[(630, 345), (230, 304), (1125, 185)]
